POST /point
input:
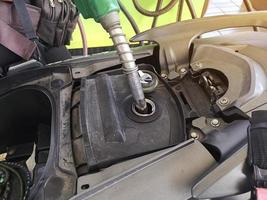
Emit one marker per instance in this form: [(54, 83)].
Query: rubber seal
[(127, 105)]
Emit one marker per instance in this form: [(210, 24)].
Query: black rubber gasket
[(127, 105)]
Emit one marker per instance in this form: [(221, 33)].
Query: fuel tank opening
[(150, 110)]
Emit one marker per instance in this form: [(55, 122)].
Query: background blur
[(96, 36)]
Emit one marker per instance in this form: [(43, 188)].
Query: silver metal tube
[(111, 24)]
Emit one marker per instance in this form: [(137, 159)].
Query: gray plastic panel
[(168, 175)]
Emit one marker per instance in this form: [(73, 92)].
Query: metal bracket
[(175, 39)]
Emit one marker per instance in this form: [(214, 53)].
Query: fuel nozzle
[(106, 12)]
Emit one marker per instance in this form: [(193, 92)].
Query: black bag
[(28, 32), (57, 22), (12, 31)]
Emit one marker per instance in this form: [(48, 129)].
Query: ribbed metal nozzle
[(111, 24)]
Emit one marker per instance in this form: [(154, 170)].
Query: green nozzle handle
[(96, 8)]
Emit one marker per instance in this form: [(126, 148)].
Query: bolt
[(198, 65), (183, 70), (224, 101), (164, 76), (215, 123), (194, 135)]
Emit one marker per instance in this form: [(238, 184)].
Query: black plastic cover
[(112, 132), (222, 143), (257, 153)]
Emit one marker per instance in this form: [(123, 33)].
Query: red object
[(261, 193)]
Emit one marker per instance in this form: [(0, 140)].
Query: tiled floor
[(224, 7)]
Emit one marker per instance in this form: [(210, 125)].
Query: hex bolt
[(215, 123), (224, 101)]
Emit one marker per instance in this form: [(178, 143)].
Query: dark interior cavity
[(25, 119)]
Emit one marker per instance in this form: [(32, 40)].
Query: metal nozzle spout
[(111, 23)]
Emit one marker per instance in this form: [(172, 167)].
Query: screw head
[(198, 65), (215, 123), (224, 101), (194, 135), (183, 70), (163, 75)]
